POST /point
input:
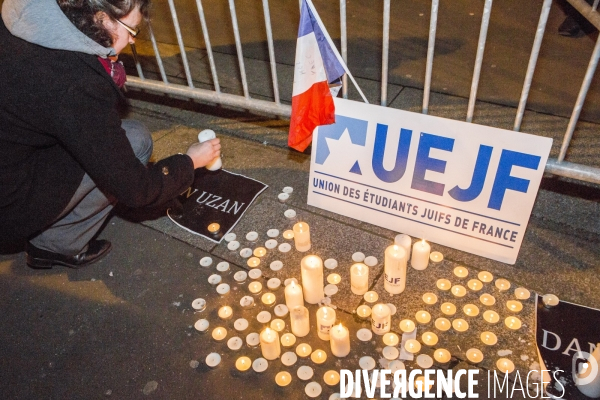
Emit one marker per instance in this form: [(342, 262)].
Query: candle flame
[(423, 242)]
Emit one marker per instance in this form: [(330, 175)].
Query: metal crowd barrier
[(556, 166)]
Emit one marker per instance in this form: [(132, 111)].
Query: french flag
[(316, 67)]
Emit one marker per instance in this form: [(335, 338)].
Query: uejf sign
[(466, 186)]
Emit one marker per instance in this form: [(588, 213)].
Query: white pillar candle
[(339, 338), (312, 279), (395, 269), (293, 296), (299, 321), (325, 321), (405, 242), (302, 236), (269, 344), (380, 319), (359, 278), (420, 255)]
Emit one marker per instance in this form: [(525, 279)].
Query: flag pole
[(335, 50)]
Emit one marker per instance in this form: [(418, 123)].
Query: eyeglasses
[(133, 32)]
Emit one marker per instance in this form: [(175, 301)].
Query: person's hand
[(203, 153)]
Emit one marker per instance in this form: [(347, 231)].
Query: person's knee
[(140, 139)]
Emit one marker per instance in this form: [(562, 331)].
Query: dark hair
[(82, 14)]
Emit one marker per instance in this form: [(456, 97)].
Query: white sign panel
[(462, 185)]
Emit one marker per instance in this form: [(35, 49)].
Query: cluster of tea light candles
[(311, 291)]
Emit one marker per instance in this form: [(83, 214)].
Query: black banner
[(215, 197)]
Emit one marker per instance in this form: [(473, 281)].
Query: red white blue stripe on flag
[(316, 67)]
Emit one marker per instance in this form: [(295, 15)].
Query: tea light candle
[(302, 236), (233, 245), (371, 261), (550, 300), (247, 301), (230, 237), (394, 277), (504, 365), (283, 197), (442, 356), (458, 291), (396, 365), (485, 276), (359, 278), (288, 359), (363, 311), (252, 236), (219, 333), (274, 283), (358, 257), (461, 272), (273, 233), (268, 298), (391, 339), (283, 378), (424, 361), (305, 372), (206, 261), (214, 279), (199, 304), (223, 289), (512, 323), (276, 265), (263, 317), (260, 365), (423, 317), (502, 284), (405, 242), (201, 325), (371, 297), (436, 257), (443, 284), (255, 273), (412, 345), (253, 339), (243, 364), (253, 262), (471, 310), (223, 266), (213, 359), (334, 279), (475, 285), (240, 276), (442, 324), (277, 325), (364, 335), (289, 234), (420, 255), (474, 355), (225, 312), (367, 363), (491, 316), (234, 343), (489, 338), (522, 293), (288, 340), (284, 247), (259, 252), (271, 244), (429, 338), (407, 326), (392, 308), (246, 252), (330, 290), (460, 325), (269, 344), (311, 268), (390, 353), (448, 308), (430, 298), (381, 319), (331, 378), (255, 287), (514, 306), (325, 321), (293, 296), (241, 324), (303, 350), (318, 356), (487, 299), (299, 321)]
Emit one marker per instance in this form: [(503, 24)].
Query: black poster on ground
[(565, 334), (216, 197)]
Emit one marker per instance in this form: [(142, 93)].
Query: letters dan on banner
[(462, 185)]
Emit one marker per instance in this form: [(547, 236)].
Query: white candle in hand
[(381, 319), (269, 344), (359, 278), (339, 340), (325, 320), (293, 296), (312, 279), (395, 269), (420, 255), (299, 321), (302, 236)]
